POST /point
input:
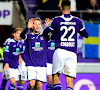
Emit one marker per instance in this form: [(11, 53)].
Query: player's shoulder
[(22, 41), (77, 18), (67, 19), (56, 17), (30, 33), (9, 40)]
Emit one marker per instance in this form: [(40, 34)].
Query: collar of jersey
[(67, 17), (36, 34)]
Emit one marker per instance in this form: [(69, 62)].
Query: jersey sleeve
[(23, 35), (53, 24), (6, 50), (81, 26), (82, 31), (49, 29)]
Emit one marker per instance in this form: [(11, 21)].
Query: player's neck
[(65, 12), (16, 39)]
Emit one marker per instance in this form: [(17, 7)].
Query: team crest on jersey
[(41, 38)]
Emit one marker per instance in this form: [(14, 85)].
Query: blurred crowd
[(92, 7)]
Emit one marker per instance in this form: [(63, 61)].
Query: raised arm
[(29, 26)]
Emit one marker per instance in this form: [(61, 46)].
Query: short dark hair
[(65, 3)]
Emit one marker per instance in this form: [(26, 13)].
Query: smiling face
[(37, 25)]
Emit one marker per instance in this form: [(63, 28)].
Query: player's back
[(66, 28)]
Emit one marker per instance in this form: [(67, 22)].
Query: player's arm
[(29, 26), (49, 27), (6, 54), (82, 31)]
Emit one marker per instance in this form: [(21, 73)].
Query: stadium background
[(15, 13)]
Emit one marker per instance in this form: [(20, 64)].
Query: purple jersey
[(23, 46), (50, 50), (66, 28), (12, 49), (36, 49), (23, 49)]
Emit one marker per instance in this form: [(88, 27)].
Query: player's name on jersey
[(67, 44), (37, 48), (68, 23)]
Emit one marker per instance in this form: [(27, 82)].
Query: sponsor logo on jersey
[(52, 47), (4, 48), (17, 49), (52, 44), (37, 48), (37, 44), (7, 47)]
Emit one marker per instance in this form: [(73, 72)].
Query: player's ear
[(70, 8), (41, 25), (13, 34)]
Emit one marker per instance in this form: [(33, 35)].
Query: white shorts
[(49, 69), (23, 71), (37, 73), (12, 73), (64, 62)]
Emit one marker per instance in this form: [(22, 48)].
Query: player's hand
[(6, 67), (90, 11), (47, 22), (98, 11), (31, 23)]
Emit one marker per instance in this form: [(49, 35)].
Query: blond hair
[(15, 30), (37, 18)]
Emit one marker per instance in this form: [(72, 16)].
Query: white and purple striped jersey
[(66, 28), (11, 51)]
